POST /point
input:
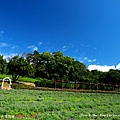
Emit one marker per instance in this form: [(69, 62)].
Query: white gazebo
[(6, 88)]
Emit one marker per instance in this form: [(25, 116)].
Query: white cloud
[(2, 44), (64, 48), (32, 47), (76, 51), (104, 68), (35, 48), (8, 56), (40, 43), (85, 59), (118, 66), (94, 60), (48, 50), (83, 45), (14, 46)]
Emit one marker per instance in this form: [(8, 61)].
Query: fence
[(78, 85)]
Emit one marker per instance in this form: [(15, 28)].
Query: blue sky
[(86, 30)]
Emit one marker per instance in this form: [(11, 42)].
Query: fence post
[(90, 86), (55, 84), (62, 84)]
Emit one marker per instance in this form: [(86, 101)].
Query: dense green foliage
[(54, 66), (18, 66), (56, 105), (3, 65)]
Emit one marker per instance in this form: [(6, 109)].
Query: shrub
[(44, 83), (58, 85)]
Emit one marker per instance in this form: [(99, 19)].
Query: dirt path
[(27, 83)]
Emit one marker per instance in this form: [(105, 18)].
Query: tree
[(3, 65), (95, 75), (18, 66), (56, 66), (77, 71), (34, 60), (103, 77), (113, 76), (43, 66), (87, 76), (61, 65)]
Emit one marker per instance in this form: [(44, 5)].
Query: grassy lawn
[(26, 79), (58, 105), (3, 76), (21, 79)]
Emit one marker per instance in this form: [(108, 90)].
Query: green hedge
[(44, 83)]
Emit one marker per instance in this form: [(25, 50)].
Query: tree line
[(54, 66)]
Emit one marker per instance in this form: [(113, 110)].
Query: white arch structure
[(2, 86)]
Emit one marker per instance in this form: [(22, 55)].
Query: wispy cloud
[(1, 35), (48, 50), (64, 48), (33, 47), (6, 56), (40, 43), (14, 46), (85, 59), (2, 32), (83, 45), (2, 44), (76, 50)]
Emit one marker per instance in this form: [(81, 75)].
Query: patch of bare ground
[(29, 116), (26, 83)]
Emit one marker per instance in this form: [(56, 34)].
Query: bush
[(50, 84), (72, 86), (58, 84), (45, 83), (101, 87)]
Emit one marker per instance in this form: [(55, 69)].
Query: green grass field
[(26, 79), (58, 105), (21, 79), (3, 76)]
